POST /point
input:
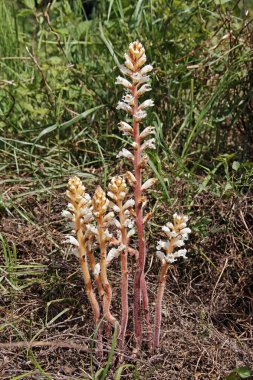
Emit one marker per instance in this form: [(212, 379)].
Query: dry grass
[(207, 311)]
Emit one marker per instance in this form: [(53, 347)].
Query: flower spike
[(176, 234), (137, 73)]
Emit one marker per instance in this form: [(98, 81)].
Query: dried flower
[(124, 82), (125, 128), (125, 107), (125, 153), (149, 144), (150, 182), (146, 103), (147, 132)]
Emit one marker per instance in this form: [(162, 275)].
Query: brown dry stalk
[(117, 192), (100, 205), (80, 215)]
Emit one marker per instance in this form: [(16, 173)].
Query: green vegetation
[(58, 118)]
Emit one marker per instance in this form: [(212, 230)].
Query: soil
[(46, 322)]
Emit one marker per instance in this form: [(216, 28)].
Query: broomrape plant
[(107, 226)]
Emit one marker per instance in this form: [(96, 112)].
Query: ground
[(207, 310)]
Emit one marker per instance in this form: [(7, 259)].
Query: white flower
[(184, 237), (108, 217), (125, 70), (119, 234), (146, 69), (144, 88), (146, 132), (150, 182), (107, 234), (116, 208), (71, 207), (181, 253), (147, 103), (129, 99), (67, 214), (114, 253), (125, 128), (130, 203), (122, 195), (185, 231), (111, 195), (170, 258), (179, 243), (139, 115), (185, 218), (71, 240), (123, 81), (130, 178), (123, 106), (129, 223), (166, 229), (170, 225), (97, 269), (149, 144), (163, 244), (125, 153), (91, 230), (131, 233), (117, 223), (176, 216), (87, 218), (139, 78)]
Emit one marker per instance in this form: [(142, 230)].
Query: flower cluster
[(117, 192), (79, 209), (138, 84), (176, 232)]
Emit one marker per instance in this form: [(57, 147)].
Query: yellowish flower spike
[(117, 192), (100, 205), (79, 212)]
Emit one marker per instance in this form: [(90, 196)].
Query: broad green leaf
[(243, 372)]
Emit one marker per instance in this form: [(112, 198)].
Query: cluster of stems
[(100, 223)]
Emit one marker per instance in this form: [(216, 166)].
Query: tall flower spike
[(79, 206), (100, 205), (117, 192), (137, 73), (176, 234)]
